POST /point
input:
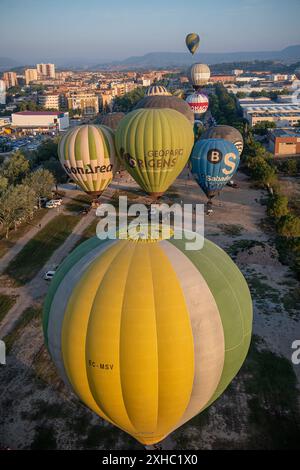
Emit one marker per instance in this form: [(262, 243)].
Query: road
[(36, 289)]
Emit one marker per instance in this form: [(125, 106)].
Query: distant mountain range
[(288, 55), (180, 59)]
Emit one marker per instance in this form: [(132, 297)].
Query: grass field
[(14, 235), (6, 303), (38, 250)]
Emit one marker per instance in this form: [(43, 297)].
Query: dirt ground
[(260, 409)]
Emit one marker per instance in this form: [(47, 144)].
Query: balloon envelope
[(213, 164), (192, 41), (88, 155), (157, 90), (171, 102), (147, 334), (155, 145), (111, 120), (225, 132), (198, 102), (199, 75)]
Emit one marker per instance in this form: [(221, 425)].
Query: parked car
[(49, 275), (52, 203), (57, 200), (232, 184)]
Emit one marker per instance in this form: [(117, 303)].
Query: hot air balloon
[(213, 164), (111, 120), (192, 41), (198, 102), (88, 155), (171, 102), (155, 145), (145, 333), (157, 90), (199, 75), (227, 133)]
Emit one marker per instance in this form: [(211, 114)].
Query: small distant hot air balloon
[(111, 120), (199, 75), (147, 334), (88, 155), (157, 90), (213, 164), (171, 102), (227, 133), (192, 41), (155, 145), (198, 102)]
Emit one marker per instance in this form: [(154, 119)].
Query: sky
[(97, 30)]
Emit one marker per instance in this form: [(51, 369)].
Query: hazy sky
[(33, 30)]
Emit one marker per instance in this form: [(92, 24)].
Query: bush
[(278, 206), (289, 226)]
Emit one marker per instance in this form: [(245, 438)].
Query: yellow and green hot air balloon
[(88, 155), (147, 334), (155, 145)]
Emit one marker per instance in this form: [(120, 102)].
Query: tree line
[(25, 178)]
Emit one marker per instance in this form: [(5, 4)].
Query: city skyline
[(62, 32)]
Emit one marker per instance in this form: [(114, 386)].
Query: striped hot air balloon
[(147, 334), (155, 145), (199, 75), (157, 90), (88, 155)]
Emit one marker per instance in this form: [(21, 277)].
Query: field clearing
[(39, 249)]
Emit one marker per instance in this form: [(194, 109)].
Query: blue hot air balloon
[(213, 163)]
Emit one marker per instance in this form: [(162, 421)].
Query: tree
[(278, 206), (127, 102), (290, 167), (16, 202), (54, 166), (262, 128), (289, 226), (3, 183), (41, 182), (261, 171), (15, 168), (46, 151)]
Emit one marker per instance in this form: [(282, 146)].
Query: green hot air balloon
[(148, 334), (192, 41), (88, 155), (155, 145)]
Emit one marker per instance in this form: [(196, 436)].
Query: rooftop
[(39, 113)]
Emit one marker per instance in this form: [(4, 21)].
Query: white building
[(283, 114), (49, 100), (45, 70), (88, 103), (30, 75), (2, 92), (40, 121)]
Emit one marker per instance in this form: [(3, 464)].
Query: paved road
[(36, 289)]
